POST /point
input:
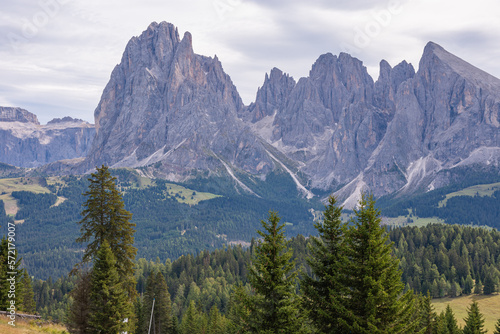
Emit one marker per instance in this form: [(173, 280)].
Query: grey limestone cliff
[(174, 113), (169, 107), (26, 143)]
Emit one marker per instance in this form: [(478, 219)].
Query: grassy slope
[(488, 305), (7, 186), (480, 190), (185, 195), (417, 221), (30, 327)]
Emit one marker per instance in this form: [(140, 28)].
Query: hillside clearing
[(477, 190), (488, 305)]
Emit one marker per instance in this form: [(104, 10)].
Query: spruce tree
[(110, 308), (156, 288), (376, 303), (191, 321), (324, 292), (428, 317), (489, 285), (447, 323), (4, 284), (274, 306), (28, 304), (478, 287), (216, 322), (105, 218), (78, 313), (474, 322), (497, 327), (239, 314)]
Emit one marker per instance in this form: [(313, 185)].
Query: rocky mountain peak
[(66, 119), (166, 105), (271, 97), (14, 114)]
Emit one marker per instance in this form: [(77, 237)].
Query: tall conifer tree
[(28, 304), (105, 218), (428, 317), (110, 309), (274, 307), (156, 288), (376, 302), (474, 322), (78, 313), (497, 327), (325, 291), (447, 323)]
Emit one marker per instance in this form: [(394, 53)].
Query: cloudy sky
[(56, 56)]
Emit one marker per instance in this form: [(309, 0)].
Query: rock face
[(176, 112), (9, 114), (390, 136), (26, 143), (167, 106)]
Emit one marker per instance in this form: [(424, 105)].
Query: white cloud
[(56, 56)]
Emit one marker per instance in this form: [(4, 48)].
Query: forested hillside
[(439, 259), (172, 219)]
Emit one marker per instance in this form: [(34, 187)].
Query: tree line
[(354, 284)]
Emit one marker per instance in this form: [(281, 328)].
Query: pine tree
[(78, 313), (447, 323), (274, 307), (4, 284), (239, 314), (324, 292), (191, 321), (469, 285), (105, 218), (110, 308), (474, 322), (478, 287), (489, 285), (10, 269), (156, 288), (216, 322), (428, 317), (376, 303), (28, 304), (497, 327)]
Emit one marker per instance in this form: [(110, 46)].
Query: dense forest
[(219, 289), (437, 259), (166, 227), (469, 210)]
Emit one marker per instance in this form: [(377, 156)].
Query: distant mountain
[(26, 143), (177, 115), (170, 108)]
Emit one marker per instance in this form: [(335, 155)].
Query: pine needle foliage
[(376, 302), (274, 308)]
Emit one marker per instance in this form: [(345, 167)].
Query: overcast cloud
[(56, 56)]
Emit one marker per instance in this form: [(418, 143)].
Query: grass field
[(7, 186), (29, 327), (188, 196), (419, 222), (479, 190), (488, 305)]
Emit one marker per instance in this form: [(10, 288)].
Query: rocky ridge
[(337, 128), (175, 114), (26, 143)]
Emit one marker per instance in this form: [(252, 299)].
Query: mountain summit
[(175, 114), (167, 107)]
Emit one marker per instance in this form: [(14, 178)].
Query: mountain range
[(173, 114)]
